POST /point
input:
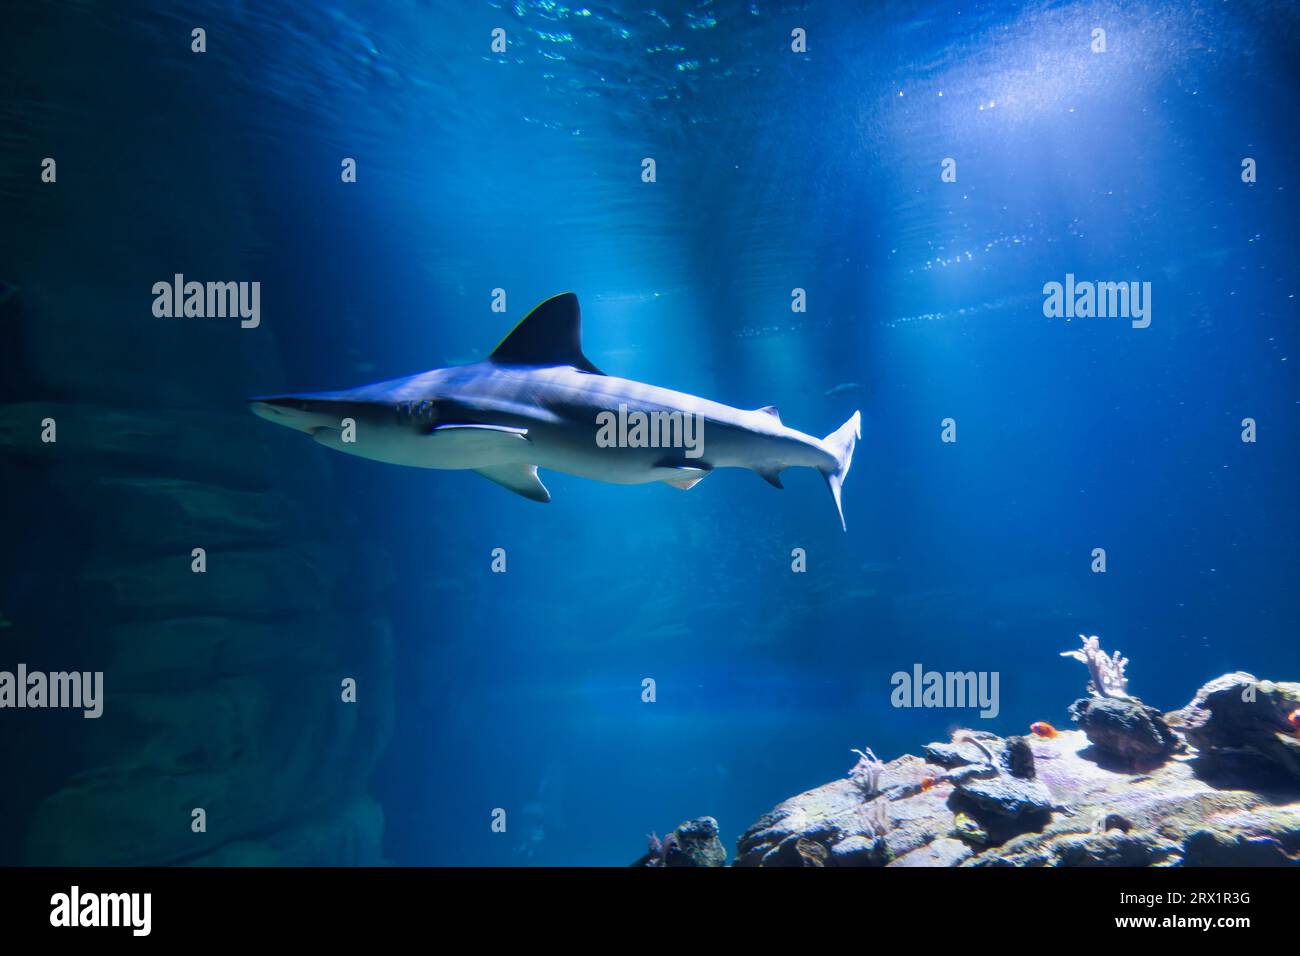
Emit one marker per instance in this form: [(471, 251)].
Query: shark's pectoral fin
[(772, 476), (521, 479), (685, 477), (469, 446)]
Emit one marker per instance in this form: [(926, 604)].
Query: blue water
[(775, 170)]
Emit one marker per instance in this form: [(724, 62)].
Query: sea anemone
[(866, 772)]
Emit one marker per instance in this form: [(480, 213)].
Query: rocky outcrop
[(1220, 794), (1244, 727), (693, 843), (1125, 730)]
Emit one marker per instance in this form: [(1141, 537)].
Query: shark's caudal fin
[(840, 443), (551, 334)]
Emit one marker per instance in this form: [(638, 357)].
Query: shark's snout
[(289, 411)]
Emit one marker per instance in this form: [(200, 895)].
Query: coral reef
[(1073, 812), (1212, 784)]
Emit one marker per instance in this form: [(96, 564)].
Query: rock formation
[(693, 843), (1215, 783)]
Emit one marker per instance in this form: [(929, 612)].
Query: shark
[(537, 402)]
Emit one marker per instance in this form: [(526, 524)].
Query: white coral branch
[(1108, 678)]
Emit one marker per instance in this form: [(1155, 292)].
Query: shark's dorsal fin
[(551, 334), (771, 410)]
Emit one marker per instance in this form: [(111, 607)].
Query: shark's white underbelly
[(722, 446), (559, 449)]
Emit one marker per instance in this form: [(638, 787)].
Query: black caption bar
[(218, 905)]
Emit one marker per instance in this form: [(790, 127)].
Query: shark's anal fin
[(771, 410), (551, 334), (521, 479), (772, 476), (685, 477)]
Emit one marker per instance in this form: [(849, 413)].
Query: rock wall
[(222, 689)]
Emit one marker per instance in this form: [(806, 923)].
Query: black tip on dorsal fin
[(551, 334)]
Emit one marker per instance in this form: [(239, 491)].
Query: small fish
[(1293, 719), (928, 783), (1042, 728)]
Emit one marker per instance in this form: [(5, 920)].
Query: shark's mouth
[(292, 413), (265, 409)]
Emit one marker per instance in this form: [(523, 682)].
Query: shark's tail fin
[(840, 443)]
